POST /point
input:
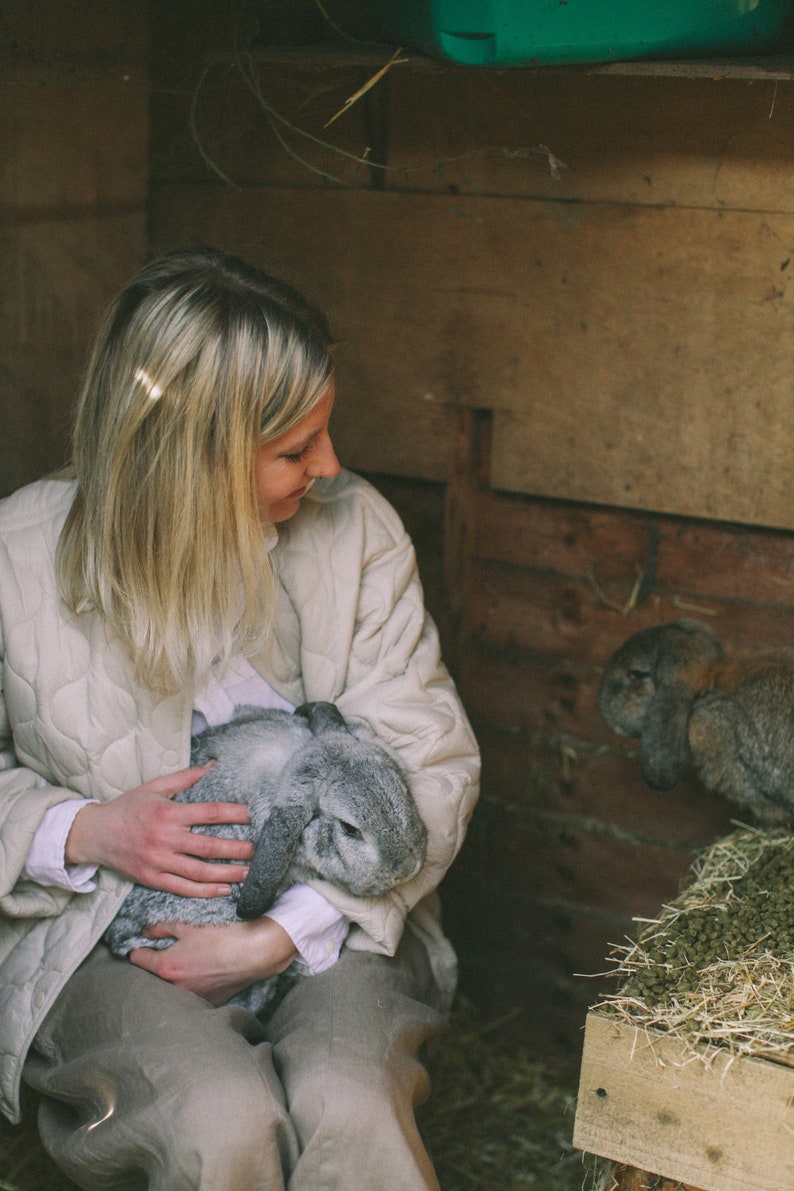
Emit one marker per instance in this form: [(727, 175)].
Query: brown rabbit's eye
[(350, 830)]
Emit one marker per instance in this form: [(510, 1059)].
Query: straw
[(716, 968)]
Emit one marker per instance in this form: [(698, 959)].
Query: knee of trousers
[(234, 1112), (214, 1128), (358, 1101)]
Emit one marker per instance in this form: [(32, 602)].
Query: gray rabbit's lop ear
[(322, 717), (664, 739), (270, 863)]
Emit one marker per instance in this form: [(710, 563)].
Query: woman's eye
[(350, 830), (296, 458)]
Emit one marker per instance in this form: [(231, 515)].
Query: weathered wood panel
[(573, 862), (528, 691), (640, 382), (565, 617), (620, 346), (615, 139), (538, 964), (557, 134), (73, 198), (615, 547), (543, 596), (56, 275), (565, 777)]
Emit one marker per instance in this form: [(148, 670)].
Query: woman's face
[(285, 468)]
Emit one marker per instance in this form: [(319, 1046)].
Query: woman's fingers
[(145, 835), (214, 847), (211, 814), (217, 961), (188, 887), (195, 878), (170, 784)]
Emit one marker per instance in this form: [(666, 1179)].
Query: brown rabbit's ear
[(664, 740)]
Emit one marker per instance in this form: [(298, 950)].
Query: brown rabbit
[(729, 715)]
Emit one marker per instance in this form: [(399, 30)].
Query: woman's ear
[(270, 863), (664, 739)]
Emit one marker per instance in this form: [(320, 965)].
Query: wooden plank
[(646, 390), (66, 152), (337, 54), (614, 545), (589, 786), (525, 958), (56, 275), (727, 562), (777, 65), (531, 694), (725, 1126), (72, 40), (583, 864), (595, 332), (555, 616), (562, 617), (570, 539), (218, 122), (73, 206), (617, 140)]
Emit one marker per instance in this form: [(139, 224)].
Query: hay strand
[(716, 968)]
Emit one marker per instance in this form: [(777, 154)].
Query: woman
[(208, 551)]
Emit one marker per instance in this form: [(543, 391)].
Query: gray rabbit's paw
[(122, 945)]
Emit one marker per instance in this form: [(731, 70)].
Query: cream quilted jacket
[(351, 628)]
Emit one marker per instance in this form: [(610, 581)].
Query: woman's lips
[(299, 492)]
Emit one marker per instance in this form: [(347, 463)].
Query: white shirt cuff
[(46, 862), (317, 928)]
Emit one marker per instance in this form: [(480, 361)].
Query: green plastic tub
[(523, 32)]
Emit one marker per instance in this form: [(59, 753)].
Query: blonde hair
[(200, 360)]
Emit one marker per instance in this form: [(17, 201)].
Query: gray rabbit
[(325, 801), (728, 714)]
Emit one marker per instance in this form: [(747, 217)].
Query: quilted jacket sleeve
[(32, 658), (394, 680), (24, 798)]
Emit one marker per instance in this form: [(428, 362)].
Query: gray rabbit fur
[(325, 800), (728, 714)]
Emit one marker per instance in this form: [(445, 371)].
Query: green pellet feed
[(716, 968)]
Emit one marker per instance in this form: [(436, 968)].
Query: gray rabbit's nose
[(410, 865)]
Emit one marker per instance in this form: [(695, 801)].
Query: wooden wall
[(73, 193), (601, 260)]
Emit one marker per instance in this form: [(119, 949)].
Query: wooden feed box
[(644, 1101)]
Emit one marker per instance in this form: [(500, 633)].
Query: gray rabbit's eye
[(350, 830), (639, 675)]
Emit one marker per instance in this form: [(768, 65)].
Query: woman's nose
[(324, 460)]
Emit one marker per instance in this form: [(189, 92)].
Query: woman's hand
[(145, 836), (217, 961)]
